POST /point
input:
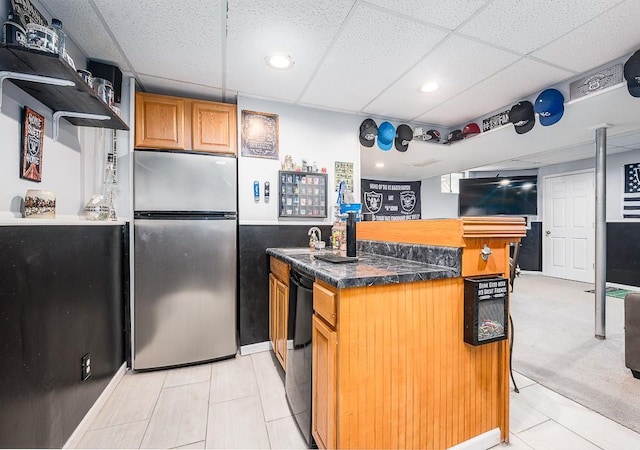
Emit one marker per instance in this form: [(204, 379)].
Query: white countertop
[(62, 220)]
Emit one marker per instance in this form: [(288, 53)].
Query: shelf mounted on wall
[(5, 74), (50, 79), (78, 115)]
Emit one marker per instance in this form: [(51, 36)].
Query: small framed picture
[(32, 139)]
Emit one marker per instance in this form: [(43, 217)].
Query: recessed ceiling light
[(379, 165), (429, 86), (279, 61)]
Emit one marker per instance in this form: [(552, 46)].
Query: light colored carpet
[(554, 344)]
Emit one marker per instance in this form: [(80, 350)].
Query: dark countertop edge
[(430, 272)]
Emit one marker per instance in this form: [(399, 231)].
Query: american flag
[(631, 197)]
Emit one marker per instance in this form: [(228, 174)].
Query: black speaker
[(108, 72)]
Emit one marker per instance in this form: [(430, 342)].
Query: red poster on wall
[(32, 139)]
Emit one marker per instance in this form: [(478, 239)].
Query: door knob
[(547, 232)]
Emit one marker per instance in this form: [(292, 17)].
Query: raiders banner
[(390, 200)]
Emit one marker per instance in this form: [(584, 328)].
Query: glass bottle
[(56, 26)]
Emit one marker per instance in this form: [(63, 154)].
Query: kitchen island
[(390, 366)]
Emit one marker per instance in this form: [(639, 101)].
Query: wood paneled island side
[(390, 366)]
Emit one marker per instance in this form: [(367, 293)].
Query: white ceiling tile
[(629, 140), (178, 40), (257, 28), (84, 28), (516, 82), (372, 51), (449, 14), (526, 26), (596, 42), (449, 65)]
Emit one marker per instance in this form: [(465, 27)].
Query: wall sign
[(495, 121), (25, 13), (259, 134), (344, 172), (32, 139), (596, 81), (390, 200)]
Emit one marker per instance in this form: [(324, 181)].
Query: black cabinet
[(77, 98)]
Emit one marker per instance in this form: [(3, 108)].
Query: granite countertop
[(370, 269)]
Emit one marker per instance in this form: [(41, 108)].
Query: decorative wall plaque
[(32, 139), (596, 81), (259, 135), (495, 121)]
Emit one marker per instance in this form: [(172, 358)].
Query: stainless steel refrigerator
[(185, 258)]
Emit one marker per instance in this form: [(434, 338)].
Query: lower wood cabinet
[(282, 313), (324, 383), (272, 310), (279, 309)]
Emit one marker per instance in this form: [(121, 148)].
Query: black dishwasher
[(297, 379)]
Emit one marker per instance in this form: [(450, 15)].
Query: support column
[(601, 233)]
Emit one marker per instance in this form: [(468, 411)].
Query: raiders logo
[(408, 201), (373, 201)]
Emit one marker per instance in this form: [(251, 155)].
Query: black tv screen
[(494, 196)]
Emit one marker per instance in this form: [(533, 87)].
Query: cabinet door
[(324, 379), (159, 122), (282, 311), (213, 127), (272, 311)]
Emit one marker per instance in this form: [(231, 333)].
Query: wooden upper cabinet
[(214, 127), (160, 122), (176, 123)]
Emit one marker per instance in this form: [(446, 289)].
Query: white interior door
[(569, 230)]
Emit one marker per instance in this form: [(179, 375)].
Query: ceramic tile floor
[(240, 403)]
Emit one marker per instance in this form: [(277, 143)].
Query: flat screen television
[(514, 196)]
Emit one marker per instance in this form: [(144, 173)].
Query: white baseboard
[(83, 426), (255, 348), (481, 442)]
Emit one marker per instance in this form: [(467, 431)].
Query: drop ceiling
[(371, 57)]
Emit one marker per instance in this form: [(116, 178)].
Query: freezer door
[(179, 181), (184, 306)]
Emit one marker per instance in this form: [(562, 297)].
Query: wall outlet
[(86, 366)]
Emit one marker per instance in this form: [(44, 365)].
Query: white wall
[(72, 168), (614, 175), (61, 160), (305, 133), (436, 204)]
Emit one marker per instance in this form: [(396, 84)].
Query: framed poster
[(259, 134), (32, 139)]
